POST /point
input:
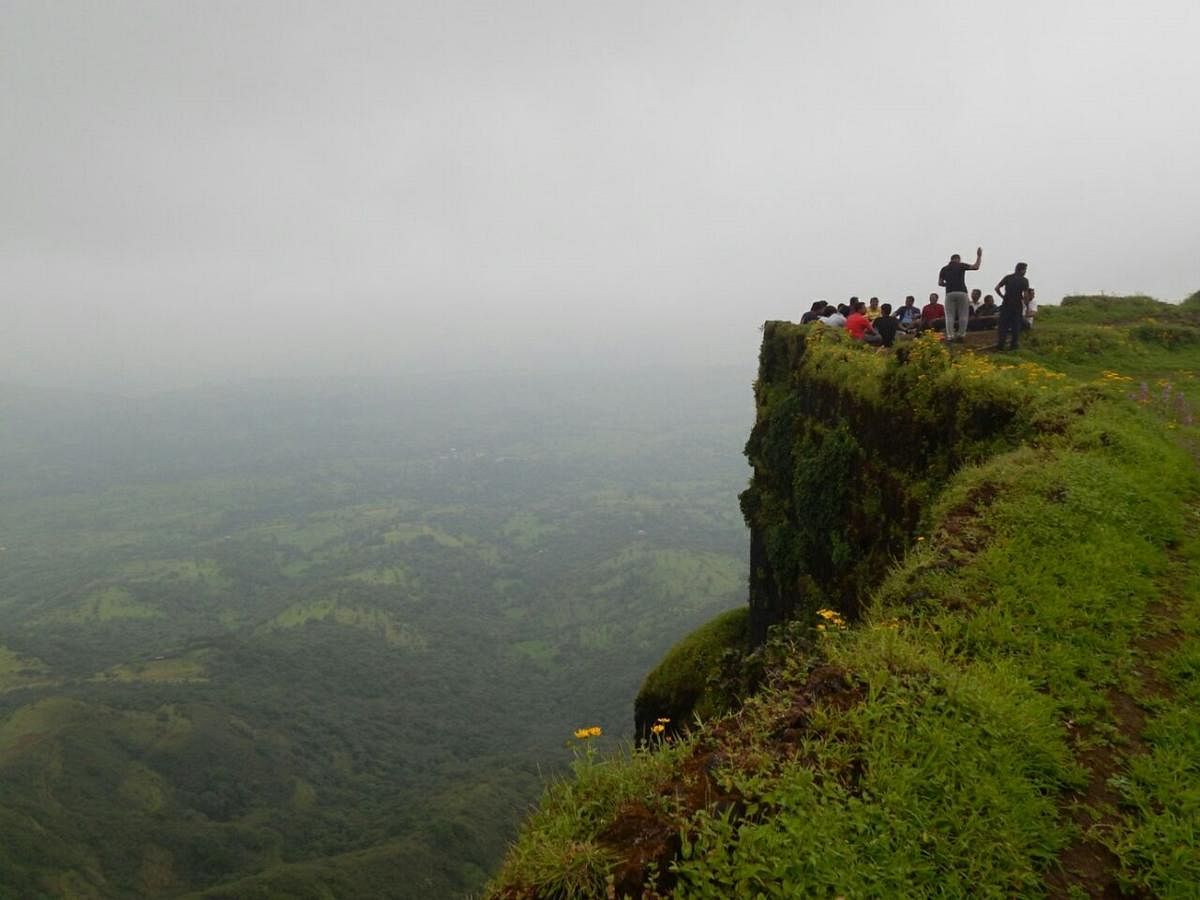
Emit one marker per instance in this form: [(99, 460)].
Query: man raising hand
[(953, 278)]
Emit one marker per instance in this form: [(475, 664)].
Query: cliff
[(970, 659)]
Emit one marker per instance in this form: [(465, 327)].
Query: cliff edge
[(970, 660)]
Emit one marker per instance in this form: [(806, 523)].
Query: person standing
[(953, 278), (1011, 288)]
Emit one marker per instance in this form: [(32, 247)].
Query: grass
[(560, 853), (169, 670), (106, 605), (374, 621), (19, 672), (984, 669), (690, 677)]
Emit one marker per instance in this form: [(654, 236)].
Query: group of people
[(874, 322)]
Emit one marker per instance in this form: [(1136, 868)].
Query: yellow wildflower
[(584, 733), (658, 728)]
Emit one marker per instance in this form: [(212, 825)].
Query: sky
[(211, 191)]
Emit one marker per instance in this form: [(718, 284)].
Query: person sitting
[(873, 309), (833, 318), (986, 317), (975, 295), (1030, 309), (934, 314), (886, 326), (817, 310), (908, 315), (858, 324)]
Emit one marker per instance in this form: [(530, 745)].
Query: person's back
[(858, 324), (817, 310), (953, 277), (886, 326), (835, 319)]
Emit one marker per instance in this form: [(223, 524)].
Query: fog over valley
[(200, 193)]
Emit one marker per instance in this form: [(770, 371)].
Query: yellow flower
[(662, 720), (584, 733), (658, 728)]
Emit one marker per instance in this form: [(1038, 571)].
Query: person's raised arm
[(978, 258)]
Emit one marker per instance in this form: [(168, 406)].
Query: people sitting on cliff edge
[(988, 307), (873, 309), (815, 312), (933, 315), (976, 293), (908, 315)]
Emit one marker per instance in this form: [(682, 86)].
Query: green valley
[(287, 638)]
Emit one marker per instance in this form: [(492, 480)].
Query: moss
[(693, 678)]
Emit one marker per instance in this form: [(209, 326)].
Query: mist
[(200, 193)]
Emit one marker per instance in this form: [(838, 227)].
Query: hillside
[(970, 661), (295, 639)]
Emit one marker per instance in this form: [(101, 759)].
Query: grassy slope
[(1015, 714)]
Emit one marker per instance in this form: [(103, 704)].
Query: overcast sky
[(214, 190)]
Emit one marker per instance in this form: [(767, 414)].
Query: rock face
[(849, 450), (844, 469)]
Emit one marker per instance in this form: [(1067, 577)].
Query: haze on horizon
[(209, 192)]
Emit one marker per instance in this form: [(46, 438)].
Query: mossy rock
[(698, 676)]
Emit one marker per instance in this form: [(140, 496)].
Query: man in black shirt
[(885, 325), (818, 310), (953, 278), (1011, 289)]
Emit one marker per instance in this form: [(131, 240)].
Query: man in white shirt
[(1030, 309), (834, 320)]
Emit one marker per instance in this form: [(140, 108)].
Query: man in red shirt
[(858, 324), (933, 312)]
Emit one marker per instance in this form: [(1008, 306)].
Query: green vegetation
[(698, 676), (986, 684), (284, 641)]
